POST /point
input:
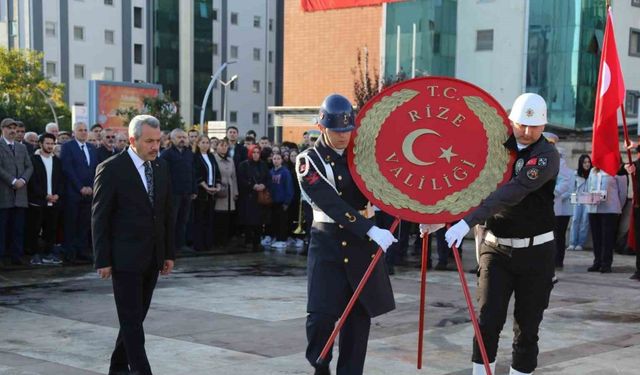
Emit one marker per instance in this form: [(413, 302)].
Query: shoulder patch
[(542, 162), (533, 173), (312, 178), (519, 165), (532, 162)]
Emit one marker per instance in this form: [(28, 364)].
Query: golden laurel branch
[(455, 203)]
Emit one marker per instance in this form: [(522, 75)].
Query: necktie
[(148, 174), (85, 154), (13, 149)]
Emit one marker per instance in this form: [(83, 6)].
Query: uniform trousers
[(132, 292), (527, 274)]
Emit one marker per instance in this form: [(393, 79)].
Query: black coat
[(103, 153), (251, 173), (37, 187), (201, 172), (240, 154), (340, 252), (128, 232)]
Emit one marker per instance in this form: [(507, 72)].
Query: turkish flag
[(313, 5), (609, 98)]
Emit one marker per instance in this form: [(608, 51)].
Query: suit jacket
[(239, 154), (129, 233), (104, 153), (201, 172), (13, 167), (38, 182), (76, 170), (29, 146)]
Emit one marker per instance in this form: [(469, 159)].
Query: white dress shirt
[(139, 164), (205, 157), (83, 146)]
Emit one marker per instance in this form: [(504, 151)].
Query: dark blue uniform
[(520, 212), (339, 254)]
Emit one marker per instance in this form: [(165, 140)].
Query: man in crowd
[(32, 139), (45, 190), (79, 161), (64, 137), (237, 151), (15, 172), (183, 183), (52, 128), (94, 139), (96, 129), (121, 141), (193, 136), (108, 145), (132, 236), (20, 133), (264, 142)]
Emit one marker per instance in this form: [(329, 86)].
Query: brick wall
[(320, 50)]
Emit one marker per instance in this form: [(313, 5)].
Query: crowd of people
[(233, 188), (221, 189)]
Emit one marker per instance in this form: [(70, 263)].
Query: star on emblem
[(529, 112), (447, 154)]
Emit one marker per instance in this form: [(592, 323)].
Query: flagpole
[(627, 142)]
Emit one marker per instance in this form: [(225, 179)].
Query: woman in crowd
[(562, 206), (603, 216), (253, 179), (207, 176), (580, 219), (227, 197), (282, 193)]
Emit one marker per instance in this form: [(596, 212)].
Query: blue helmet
[(336, 113)]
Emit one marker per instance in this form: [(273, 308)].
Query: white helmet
[(529, 109)]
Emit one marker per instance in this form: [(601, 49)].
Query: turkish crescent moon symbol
[(606, 79), (407, 146)]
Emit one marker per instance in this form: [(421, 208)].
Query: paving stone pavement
[(245, 314)]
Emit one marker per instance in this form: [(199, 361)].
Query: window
[(234, 85), (270, 88), (214, 49), (214, 116), (256, 21), (634, 42), (270, 24), (256, 54), (234, 18), (108, 2), (137, 17), (78, 33), (109, 73), (214, 14), (78, 71), (256, 86), (233, 116), (51, 69), (137, 53), (270, 56), (631, 105), (234, 52), (50, 28), (256, 117), (108, 36), (484, 40), (80, 104)]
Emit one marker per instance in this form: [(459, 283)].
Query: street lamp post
[(209, 88), (224, 107), (49, 101)]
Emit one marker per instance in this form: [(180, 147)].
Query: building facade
[(81, 40)]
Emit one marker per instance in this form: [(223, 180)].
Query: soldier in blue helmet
[(343, 242)]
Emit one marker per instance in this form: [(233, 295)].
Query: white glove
[(429, 228), (456, 233), (382, 237)]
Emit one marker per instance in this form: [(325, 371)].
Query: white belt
[(321, 217), (519, 243)]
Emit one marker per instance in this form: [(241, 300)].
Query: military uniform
[(339, 254), (517, 253)]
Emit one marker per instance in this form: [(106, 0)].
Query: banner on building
[(315, 5), (107, 97)]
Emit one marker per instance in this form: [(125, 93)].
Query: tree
[(26, 94), (161, 107), (367, 82)]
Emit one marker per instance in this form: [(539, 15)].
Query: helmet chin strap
[(328, 140)]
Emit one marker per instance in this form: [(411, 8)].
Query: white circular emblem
[(519, 165)]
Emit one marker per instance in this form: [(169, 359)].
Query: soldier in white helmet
[(517, 252)]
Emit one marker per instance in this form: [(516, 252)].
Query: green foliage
[(23, 88), (161, 107)]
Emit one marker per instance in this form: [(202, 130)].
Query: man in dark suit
[(108, 145), (15, 171), (133, 236), (45, 191), (237, 151), (21, 130), (79, 161)]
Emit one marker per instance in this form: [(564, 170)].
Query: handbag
[(264, 198), (223, 192)]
